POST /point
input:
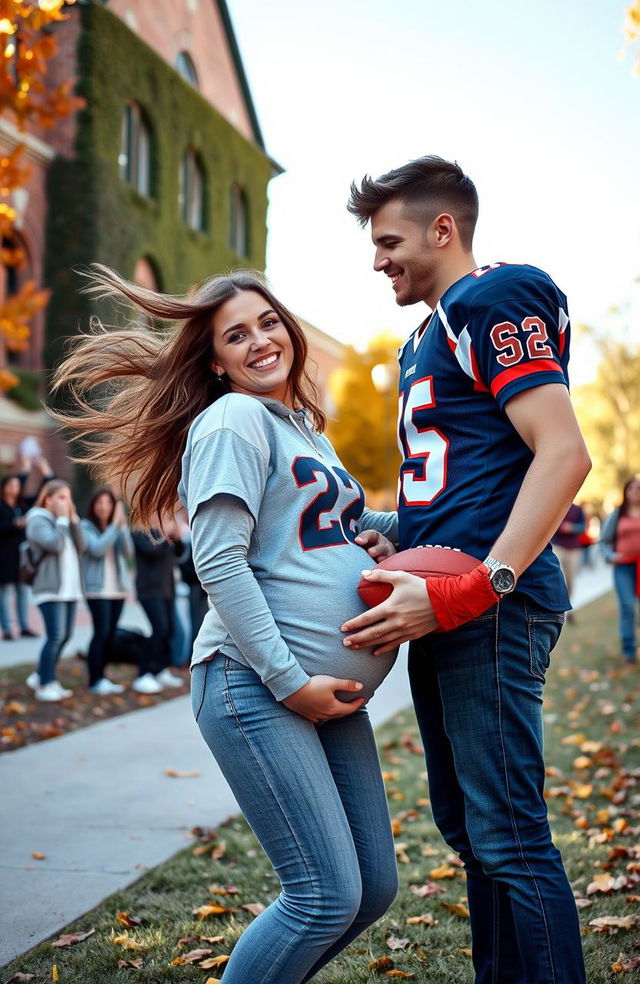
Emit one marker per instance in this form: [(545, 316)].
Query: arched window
[(238, 222), (135, 149), (192, 188), (186, 68)]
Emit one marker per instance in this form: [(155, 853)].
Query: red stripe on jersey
[(525, 369), (478, 385), (562, 341)]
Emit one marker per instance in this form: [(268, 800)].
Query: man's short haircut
[(427, 186)]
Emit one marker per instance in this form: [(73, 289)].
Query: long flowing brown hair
[(136, 390)]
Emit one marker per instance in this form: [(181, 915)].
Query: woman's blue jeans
[(315, 799), (478, 698), (624, 581), (22, 606), (59, 618)]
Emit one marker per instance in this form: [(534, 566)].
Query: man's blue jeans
[(315, 798), (59, 618), (624, 581), (478, 698)]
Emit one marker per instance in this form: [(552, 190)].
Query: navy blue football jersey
[(496, 332)]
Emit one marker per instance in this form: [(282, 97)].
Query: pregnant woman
[(278, 530)]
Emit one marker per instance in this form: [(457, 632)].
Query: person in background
[(620, 540), (12, 524), (57, 542), (568, 543), (197, 594), (156, 591), (109, 547), (13, 507)]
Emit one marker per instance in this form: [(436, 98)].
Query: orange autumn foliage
[(25, 97)]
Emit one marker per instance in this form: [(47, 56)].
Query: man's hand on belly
[(376, 544), (406, 614)]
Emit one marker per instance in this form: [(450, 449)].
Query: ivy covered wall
[(95, 216)]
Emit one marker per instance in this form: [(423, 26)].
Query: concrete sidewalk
[(98, 804)]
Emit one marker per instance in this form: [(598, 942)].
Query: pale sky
[(530, 98)]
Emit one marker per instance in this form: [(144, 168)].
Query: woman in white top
[(104, 565), (56, 542)]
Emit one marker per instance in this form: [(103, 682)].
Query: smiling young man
[(493, 457)]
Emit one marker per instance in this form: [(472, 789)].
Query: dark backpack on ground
[(129, 646)]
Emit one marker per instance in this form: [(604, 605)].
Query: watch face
[(503, 581)]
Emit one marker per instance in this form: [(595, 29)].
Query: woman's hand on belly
[(376, 545), (317, 700)]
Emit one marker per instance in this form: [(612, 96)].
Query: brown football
[(421, 561)]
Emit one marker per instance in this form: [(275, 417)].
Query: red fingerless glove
[(456, 600)]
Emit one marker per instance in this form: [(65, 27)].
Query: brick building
[(163, 175)]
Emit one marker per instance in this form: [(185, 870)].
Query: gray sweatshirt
[(274, 516)]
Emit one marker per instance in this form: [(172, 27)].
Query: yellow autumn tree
[(631, 31), (364, 432), (608, 410), (25, 98)]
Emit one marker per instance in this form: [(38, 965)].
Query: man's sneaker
[(105, 688), (147, 684), (28, 634), (33, 680), (52, 691), (168, 679)]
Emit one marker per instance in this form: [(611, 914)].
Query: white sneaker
[(168, 679), (106, 687), (147, 684), (33, 680), (52, 692)]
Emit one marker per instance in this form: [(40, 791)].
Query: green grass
[(595, 811)]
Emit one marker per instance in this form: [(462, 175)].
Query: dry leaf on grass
[(224, 890), (401, 853), (128, 942), (394, 943), (175, 774), (136, 964), (427, 890), (54, 973), (21, 978), (193, 956), (212, 909), (444, 871), (456, 908), (215, 962), (398, 973), (624, 964), (255, 908), (130, 922), (611, 924), (382, 965), (68, 939), (425, 920)]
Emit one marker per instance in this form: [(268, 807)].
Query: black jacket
[(11, 536), (155, 561)]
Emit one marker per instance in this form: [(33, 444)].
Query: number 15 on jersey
[(423, 480)]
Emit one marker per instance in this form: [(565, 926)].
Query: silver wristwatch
[(502, 577)]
